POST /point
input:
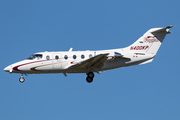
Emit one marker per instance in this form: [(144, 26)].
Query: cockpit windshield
[(35, 56)]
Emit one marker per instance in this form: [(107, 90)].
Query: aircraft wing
[(95, 62)]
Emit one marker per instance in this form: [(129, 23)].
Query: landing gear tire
[(89, 79), (90, 74), (21, 79)]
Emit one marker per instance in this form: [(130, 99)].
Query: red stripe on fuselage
[(16, 67)]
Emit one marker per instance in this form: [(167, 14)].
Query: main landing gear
[(21, 79), (90, 77)]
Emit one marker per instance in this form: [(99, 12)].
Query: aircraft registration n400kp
[(141, 52)]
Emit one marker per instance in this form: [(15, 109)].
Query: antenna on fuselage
[(70, 49)]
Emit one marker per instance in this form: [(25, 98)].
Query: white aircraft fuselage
[(57, 63), (141, 52)]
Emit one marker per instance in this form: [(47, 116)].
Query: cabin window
[(65, 57), (82, 56), (47, 57), (90, 56), (37, 56), (56, 57), (74, 56)]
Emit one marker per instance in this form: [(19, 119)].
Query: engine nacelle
[(114, 55), (110, 58)]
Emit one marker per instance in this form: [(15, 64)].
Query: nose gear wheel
[(21, 79)]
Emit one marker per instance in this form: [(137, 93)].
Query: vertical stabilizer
[(150, 41)]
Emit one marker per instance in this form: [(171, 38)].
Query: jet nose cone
[(8, 69)]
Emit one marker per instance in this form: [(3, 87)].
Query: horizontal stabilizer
[(163, 29)]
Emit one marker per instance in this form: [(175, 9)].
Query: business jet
[(140, 52)]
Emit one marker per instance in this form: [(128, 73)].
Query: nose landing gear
[(21, 79), (90, 77)]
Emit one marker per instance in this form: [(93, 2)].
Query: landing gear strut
[(21, 79), (90, 77)]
